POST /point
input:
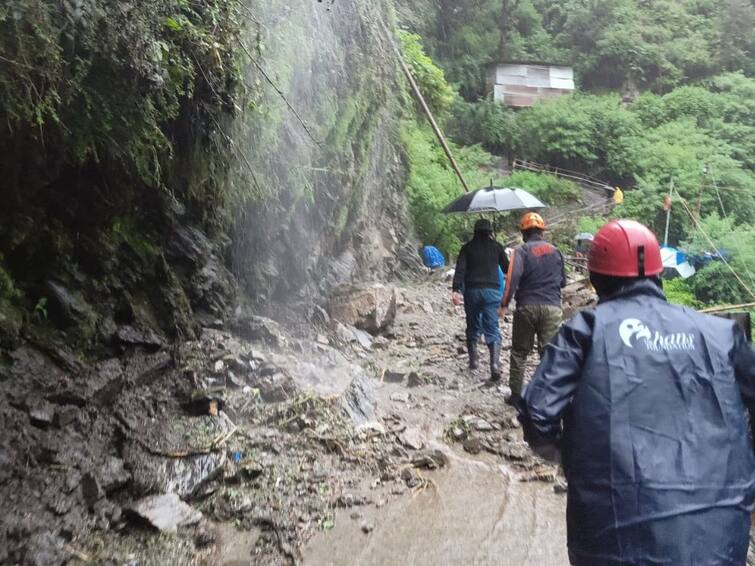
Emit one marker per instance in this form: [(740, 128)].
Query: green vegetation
[(432, 182), (108, 86), (679, 292), (666, 97), (613, 44)]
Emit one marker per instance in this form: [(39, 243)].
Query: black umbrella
[(494, 199)]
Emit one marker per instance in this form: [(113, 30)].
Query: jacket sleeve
[(513, 276), (548, 395), (460, 271), (563, 270), (744, 367), (503, 261)]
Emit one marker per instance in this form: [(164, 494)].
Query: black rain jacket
[(648, 403), (478, 263)]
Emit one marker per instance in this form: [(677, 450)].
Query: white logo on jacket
[(633, 330)]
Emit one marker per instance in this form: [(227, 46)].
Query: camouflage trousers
[(530, 321)]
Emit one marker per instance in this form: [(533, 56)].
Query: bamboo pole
[(728, 308), (430, 117)]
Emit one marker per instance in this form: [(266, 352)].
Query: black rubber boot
[(495, 361), (472, 350)]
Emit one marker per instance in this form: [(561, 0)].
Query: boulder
[(253, 327), (368, 307), (165, 512), (68, 308)]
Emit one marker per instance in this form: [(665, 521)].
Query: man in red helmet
[(645, 404), (535, 278)]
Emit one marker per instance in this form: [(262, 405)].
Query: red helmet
[(625, 248)]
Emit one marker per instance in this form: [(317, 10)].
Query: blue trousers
[(481, 308)]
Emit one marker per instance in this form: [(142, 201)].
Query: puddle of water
[(236, 546), (477, 514)]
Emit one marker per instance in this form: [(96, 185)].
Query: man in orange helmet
[(645, 404), (535, 278)]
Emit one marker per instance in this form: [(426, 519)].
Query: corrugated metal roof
[(523, 84)]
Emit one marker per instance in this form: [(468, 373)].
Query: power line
[(699, 227)]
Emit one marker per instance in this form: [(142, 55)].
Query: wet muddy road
[(475, 513), (477, 509)]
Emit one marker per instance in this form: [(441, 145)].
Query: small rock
[(415, 380), (363, 338), (91, 490), (391, 376), (323, 339), (356, 515), (430, 460), (367, 528), (204, 538), (41, 416), (457, 433), (131, 337), (113, 474), (400, 397), (516, 452), (66, 415), (412, 438), (427, 307), (372, 427), (410, 478), (481, 425), (380, 342), (505, 391), (344, 334), (319, 316), (166, 512), (219, 366), (472, 445), (560, 487)]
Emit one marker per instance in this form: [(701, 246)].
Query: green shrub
[(433, 185), (548, 188), (429, 77), (679, 292)]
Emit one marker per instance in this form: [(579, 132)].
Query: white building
[(521, 85)]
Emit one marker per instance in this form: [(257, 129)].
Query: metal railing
[(586, 181)]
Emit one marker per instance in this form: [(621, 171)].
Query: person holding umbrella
[(478, 263), (476, 278)]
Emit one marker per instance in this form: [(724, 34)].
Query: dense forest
[(665, 96)]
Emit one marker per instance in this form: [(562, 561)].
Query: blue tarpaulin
[(432, 257)]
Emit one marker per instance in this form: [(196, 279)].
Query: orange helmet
[(532, 220)]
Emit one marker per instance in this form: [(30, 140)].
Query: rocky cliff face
[(89, 259), (337, 209)]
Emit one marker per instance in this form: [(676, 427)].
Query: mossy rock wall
[(332, 208)]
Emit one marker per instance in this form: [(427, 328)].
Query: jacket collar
[(636, 287)]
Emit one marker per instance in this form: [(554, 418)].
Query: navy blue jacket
[(536, 274), (648, 403)]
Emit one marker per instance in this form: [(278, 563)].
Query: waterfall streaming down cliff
[(328, 167)]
